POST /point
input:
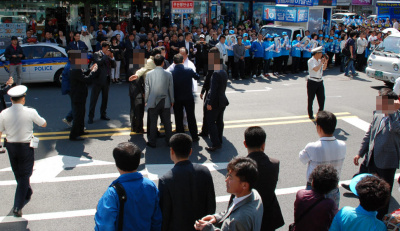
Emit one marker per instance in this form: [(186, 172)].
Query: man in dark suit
[(136, 95), (187, 190), (203, 96), (268, 170), (188, 44), (77, 44), (105, 61), (48, 38), (130, 45), (79, 92), (381, 143), (184, 99), (216, 102)]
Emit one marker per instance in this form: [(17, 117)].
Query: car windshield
[(337, 16), (390, 44), (275, 30)]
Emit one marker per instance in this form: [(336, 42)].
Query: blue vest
[(296, 51), (247, 52), (306, 53), (284, 51)]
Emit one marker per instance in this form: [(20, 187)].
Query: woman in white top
[(362, 44)]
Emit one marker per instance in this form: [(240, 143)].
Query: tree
[(87, 4)]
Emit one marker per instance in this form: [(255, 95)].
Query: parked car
[(338, 17), (384, 62), (44, 62)]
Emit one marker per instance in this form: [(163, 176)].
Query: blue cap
[(331, 37), (299, 35), (355, 181), (231, 32), (326, 36), (284, 33), (268, 36), (245, 35), (337, 31), (321, 35), (336, 35), (309, 36)]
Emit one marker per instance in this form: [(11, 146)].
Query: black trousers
[(388, 176), (78, 124), (283, 65), (304, 66), (238, 69), (215, 118), (257, 66), (188, 105), (96, 89), (21, 160), (315, 88), (267, 63), (202, 65), (338, 59), (295, 63), (247, 65), (360, 61), (231, 62), (277, 64), (330, 54), (204, 127), (137, 114), (152, 120)]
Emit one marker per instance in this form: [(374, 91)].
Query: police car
[(44, 62)]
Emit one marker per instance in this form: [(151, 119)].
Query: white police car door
[(42, 69)]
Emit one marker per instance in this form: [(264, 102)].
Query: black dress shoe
[(76, 138), (311, 117), (203, 134), (346, 186), (17, 212), (90, 121), (150, 145), (105, 118), (212, 149)]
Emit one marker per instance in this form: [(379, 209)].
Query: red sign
[(182, 5)]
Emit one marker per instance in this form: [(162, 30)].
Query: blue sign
[(285, 14), (295, 2), (302, 15)]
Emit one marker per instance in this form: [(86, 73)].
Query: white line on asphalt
[(91, 212), (245, 91), (357, 122)]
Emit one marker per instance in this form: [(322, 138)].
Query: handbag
[(291, 226)]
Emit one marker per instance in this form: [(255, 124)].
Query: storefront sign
[(295, 2), (388, 4), (12, 29), (361, 2), (325, 2), (285, 14), (181, 7)]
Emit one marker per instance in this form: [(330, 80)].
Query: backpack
[(346, 49)]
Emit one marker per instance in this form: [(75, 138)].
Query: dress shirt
[(362, 44), (87, 40), (327, 150), (357, 219), (187, 46), (315, 74), (237, 200), (189, 64), (17, 123)]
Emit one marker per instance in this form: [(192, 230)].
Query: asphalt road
[(70, 177)]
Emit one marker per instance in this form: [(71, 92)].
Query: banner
[(361, 2), (182, 7), (7, 30), (295, 2), (285, 14), (389, 4)]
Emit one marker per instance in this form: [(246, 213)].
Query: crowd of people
[(162, 68)]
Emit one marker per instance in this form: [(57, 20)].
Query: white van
[(384, 62), (338, 17)]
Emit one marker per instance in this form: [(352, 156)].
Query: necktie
[(77, 45)]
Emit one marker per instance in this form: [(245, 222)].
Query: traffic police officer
[(315, 86), (17, 123)]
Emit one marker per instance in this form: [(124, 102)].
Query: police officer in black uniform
[(16, 122)]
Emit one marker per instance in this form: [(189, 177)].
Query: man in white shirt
[(86, 38), (223, 55), (16, 122), (315, 86), (327, 150), (395, 24), (362, 44), (118, 31)]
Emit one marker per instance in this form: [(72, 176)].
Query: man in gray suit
[(159, 97), (245, 212), (381, 143)]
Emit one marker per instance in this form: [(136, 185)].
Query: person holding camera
[(101, 83), (315, 86), (202, 48)]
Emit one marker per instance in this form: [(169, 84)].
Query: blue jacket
[(247, 52), (257, 48), (142, 208), (65, 84), (269, 53), (296, 51)]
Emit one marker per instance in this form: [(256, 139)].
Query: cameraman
[(315, 86), (202, 55), (350, 60)]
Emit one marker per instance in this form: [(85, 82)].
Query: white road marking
[(91, 212), (357, 122), (245, 91)]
